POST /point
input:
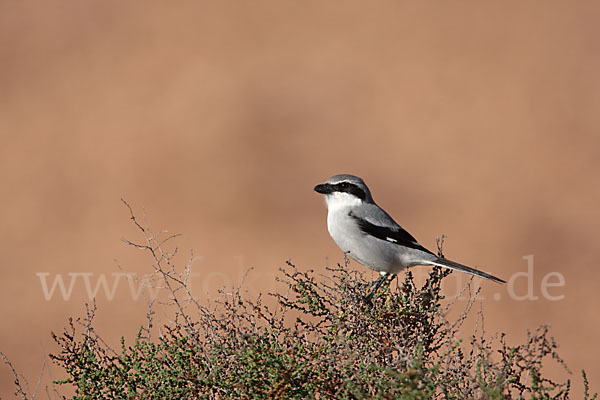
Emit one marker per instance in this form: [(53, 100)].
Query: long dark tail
[(443, 262)]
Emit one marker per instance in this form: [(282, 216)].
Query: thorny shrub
[(322, 340)]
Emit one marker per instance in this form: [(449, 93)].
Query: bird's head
[(344, 190)]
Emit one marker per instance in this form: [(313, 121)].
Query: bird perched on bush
[(367, 234)]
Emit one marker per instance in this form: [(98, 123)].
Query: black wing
[(397, 236)]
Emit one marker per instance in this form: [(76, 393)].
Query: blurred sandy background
[(477, 120)]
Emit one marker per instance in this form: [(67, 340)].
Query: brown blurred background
[(477, 120)]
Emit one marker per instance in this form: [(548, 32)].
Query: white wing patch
[(389, 239)]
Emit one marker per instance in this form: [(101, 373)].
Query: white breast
[(369, 251), (339, 224)]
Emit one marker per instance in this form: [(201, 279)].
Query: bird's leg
[(392, 277), (377, 284)]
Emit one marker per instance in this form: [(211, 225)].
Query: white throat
[(340, 200)]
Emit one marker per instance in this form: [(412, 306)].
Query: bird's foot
[(376, 285)]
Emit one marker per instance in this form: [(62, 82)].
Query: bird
[(370, 236)]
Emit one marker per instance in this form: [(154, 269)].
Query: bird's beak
[(323, 189)]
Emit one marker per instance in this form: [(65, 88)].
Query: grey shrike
[(366, 233)]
